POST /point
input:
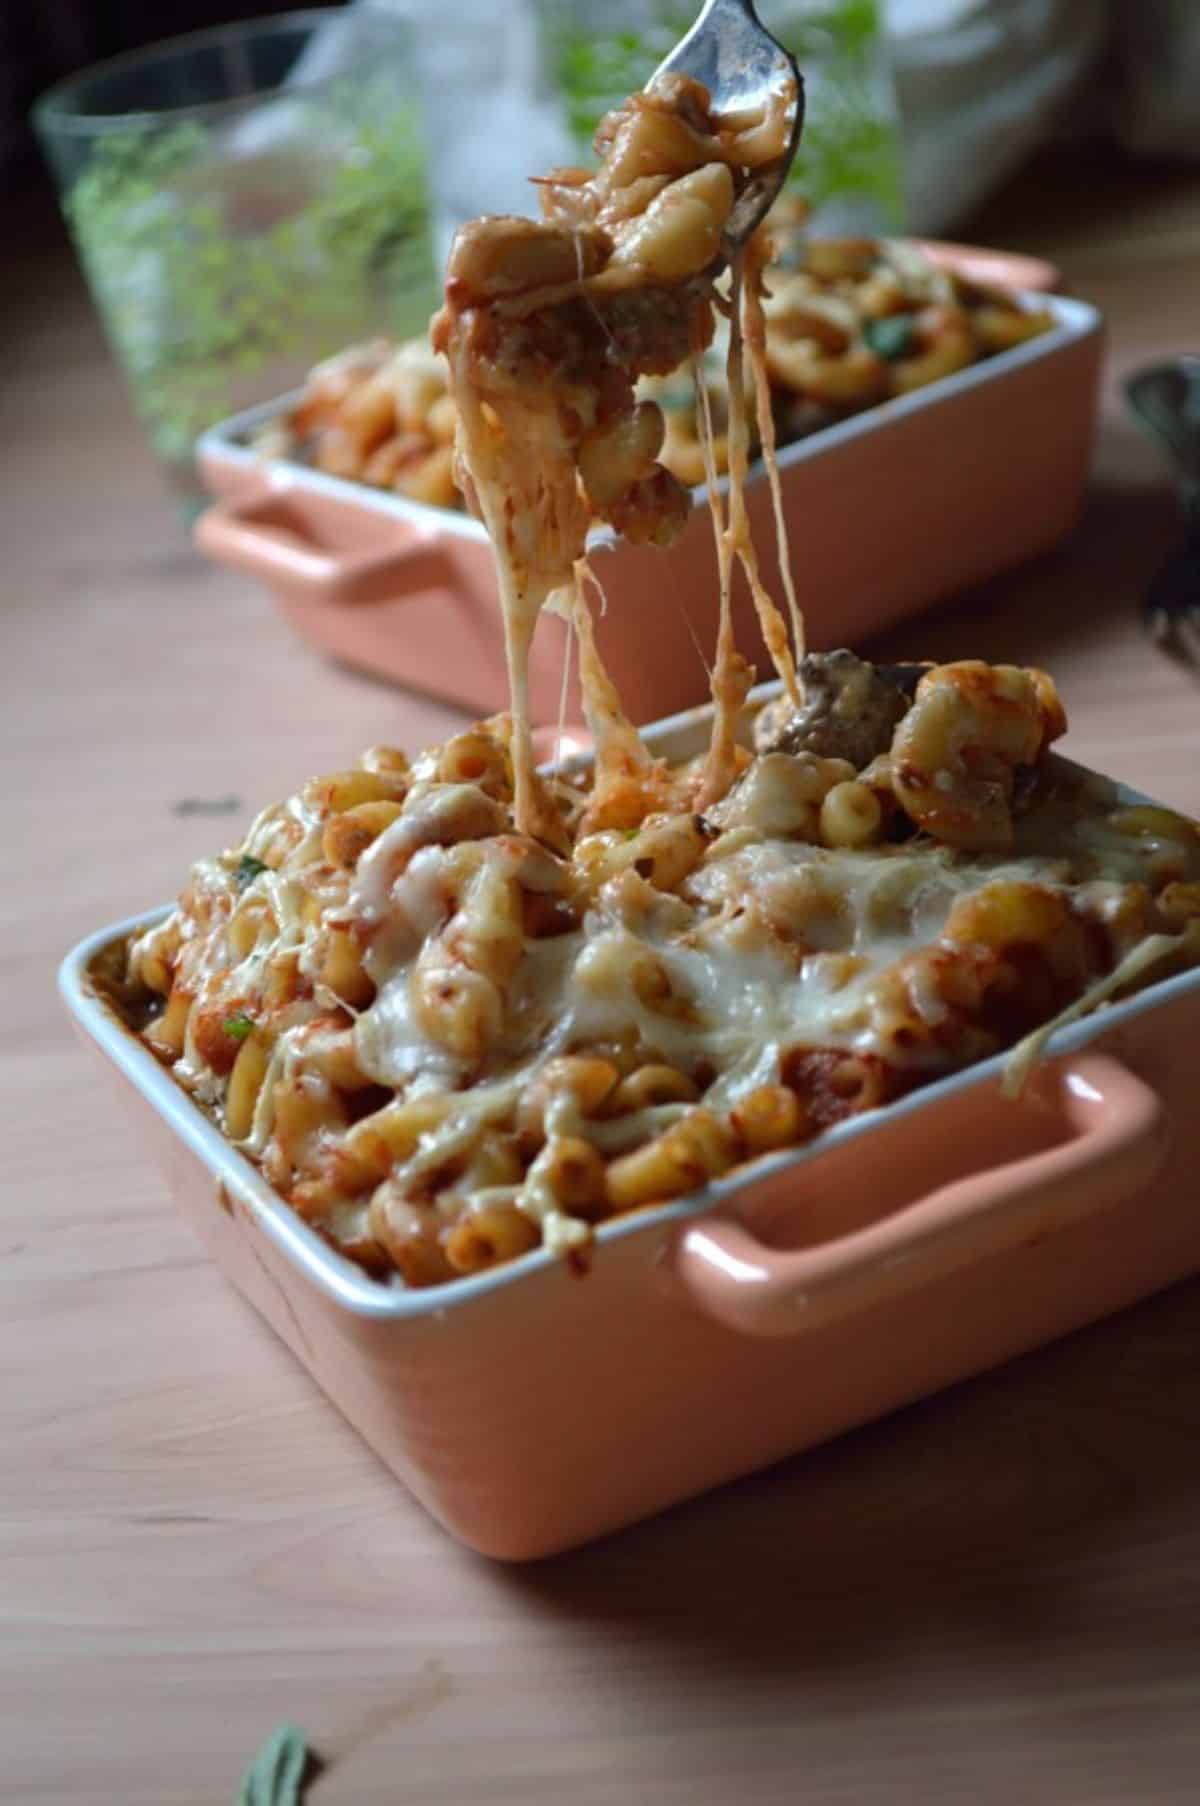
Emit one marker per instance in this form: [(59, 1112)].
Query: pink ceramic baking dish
[(531, 1408), (887, 512)]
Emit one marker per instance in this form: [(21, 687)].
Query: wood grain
[(991, 1597)]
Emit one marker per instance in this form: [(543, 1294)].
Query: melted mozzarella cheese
[(771, 946)]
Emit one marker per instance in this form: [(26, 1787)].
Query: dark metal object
[(1166, 398)]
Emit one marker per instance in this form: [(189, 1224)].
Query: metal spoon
[(1166, 398), (742, 65)]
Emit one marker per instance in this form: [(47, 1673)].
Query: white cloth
[(980, 83)]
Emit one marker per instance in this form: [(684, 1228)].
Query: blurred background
[(978, 84), (250, 200)]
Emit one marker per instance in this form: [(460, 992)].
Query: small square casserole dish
[(535, 1406), (887, 512)]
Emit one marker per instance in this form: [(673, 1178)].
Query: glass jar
[(245, 201)]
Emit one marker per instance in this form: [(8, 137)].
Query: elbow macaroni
[(365, 416), (441, 1077), (456, 1012)]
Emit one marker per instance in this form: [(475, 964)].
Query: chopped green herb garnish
[(890, 337), (631, 833), (850, 149), (790, 254), (279, 1773), (238, 1026), (247, 870), (676, 398)]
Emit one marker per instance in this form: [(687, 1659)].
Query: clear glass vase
[(245, 201)]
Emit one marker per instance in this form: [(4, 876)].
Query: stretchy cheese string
[(731, 677), (1139, 960), (756, 344), (518, 610), (619, 752), (771, 622), (685, 617), (537, 494)]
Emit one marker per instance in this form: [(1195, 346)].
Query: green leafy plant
[(210, 266), (849, 150), (248, 868)]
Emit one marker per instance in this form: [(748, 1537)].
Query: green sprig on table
[(280, 1771)]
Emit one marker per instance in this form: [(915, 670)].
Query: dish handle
[(273, 540), (1117, 1142), (1003, 269)]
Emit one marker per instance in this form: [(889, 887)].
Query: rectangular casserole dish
[(532, 1407), (887, 513)]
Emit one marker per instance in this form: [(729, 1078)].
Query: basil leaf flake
[(247, 870), (891, 337), (238, 1026)]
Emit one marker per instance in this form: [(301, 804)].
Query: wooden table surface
[(994, 1596)]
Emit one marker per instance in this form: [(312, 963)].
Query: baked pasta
[(378, 413), (460, 1009), (547, 327), (849, 323), (446, 1042)]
